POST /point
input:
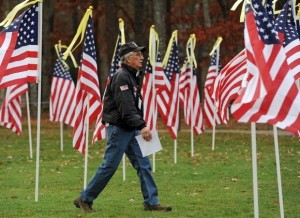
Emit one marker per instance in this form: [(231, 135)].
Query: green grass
[(210, 184)]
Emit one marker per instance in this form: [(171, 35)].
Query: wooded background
[(207, 19)]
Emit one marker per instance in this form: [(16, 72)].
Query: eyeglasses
[(138, 54)]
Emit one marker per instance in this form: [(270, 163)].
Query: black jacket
[(122, 100)]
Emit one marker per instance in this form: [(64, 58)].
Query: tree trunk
[(110, 37), (112, 28), (139, 23), (206, 15), (33, 98), (224, 7), (48, 50), (159, 16)]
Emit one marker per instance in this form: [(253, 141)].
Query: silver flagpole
[(40, 26), (29, 125), (153, 93), (254, 169), (278, 172), (86, 153)]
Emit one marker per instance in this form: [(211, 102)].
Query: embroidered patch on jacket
[(123, 88)]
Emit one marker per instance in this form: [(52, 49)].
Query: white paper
[(149, 147)]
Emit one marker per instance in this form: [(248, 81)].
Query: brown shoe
[(157, 207), (79, 203)]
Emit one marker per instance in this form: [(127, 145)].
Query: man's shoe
[(79, 203), (157, 207)]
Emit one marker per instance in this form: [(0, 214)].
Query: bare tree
[(224, 7), (159, 16), (206, 15), (139, 22), (48, 14), (111, 30)]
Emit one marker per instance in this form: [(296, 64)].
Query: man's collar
[(130, 69)]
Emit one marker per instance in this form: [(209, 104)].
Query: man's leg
[(117, 142), (143, 168)]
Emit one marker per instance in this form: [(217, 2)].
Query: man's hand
[(146, 134)]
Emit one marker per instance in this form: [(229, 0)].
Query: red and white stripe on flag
[(190, 99), (7, 44), (99, 132), (163, 98), (62, 95), (184, 92), (276, 100), (173, 107), (62, 102), (23, 61), (149, 101), (88, 99), (152, 93), (171, 96), (288, 34), (10, 111), (211, 113), (228, 84)]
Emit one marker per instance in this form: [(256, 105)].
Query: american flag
[(99, 132), (10, 111), (62, 104), (288, 34), (209, 103), (8, 40), (262, 64), (269, 10), (23, 62), (152, 97), (88, 100), (228, 83), (190, 98), (278, 99), (115, 64), (184, 90), (172, 73)]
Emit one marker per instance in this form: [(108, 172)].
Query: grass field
[(210, 184)]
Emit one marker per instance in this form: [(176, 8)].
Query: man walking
[(123, 117)]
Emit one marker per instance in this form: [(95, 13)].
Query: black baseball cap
[(129, 47)]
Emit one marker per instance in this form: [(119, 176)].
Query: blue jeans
[(120, 141)]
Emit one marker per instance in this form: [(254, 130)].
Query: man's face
[(135, 60)]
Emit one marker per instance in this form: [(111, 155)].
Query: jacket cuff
[(141, 126)]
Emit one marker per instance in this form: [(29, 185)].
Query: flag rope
[(121, 27), (153, 37), (190, 52), (216, 45), (11, 15), (167, 55), (80, 33)]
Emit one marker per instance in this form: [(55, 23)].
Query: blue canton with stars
[(173, 62), (14, 26), (269, 10), (213, 61), (285, 24), (116, 58), (60, 70), (89, 47), (28, 30), (263, 23)]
